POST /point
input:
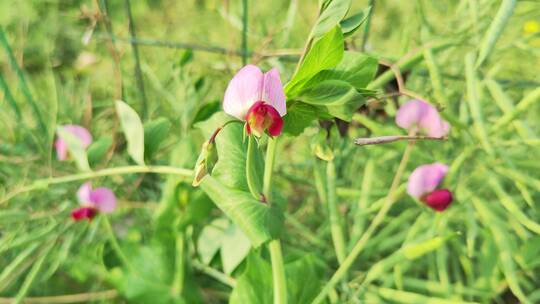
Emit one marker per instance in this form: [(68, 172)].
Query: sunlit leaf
[(133, 131)]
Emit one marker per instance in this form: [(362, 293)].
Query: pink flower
[(79, 132), (93, 202), (423, 184), (258, 99), (420, 116)]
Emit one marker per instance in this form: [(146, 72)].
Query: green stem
[(115, 246), (276, 256), (269, 163), (278, 272), (252, 179), (45, 182), (336, 228), (179, 276), (359, 246)]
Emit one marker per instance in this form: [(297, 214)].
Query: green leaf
[(495, 30), (155, 132), (224, 235), (355, 68), (254, 286), (98, 149), (210, 239), (340, 98), (299, 116), (133, 131), (75, 148), (303, 283), (353, 23), (235, 248), (325, 53), (206, 111), (257, 220), (330, 17)]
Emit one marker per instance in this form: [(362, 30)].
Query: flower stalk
[(276, 256)]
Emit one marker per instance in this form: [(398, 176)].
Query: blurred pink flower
[(258, 99), (93, 202), (420, 116), (79, 132), (423, 184)]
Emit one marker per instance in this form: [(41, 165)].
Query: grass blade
[(22, 82), (495, 30), (473, 98)]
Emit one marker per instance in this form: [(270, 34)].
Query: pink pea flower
[(93, 202), (420, 116), (423, 185), (79, 132), (258, 99)]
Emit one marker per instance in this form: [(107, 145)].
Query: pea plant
[(278, 194)]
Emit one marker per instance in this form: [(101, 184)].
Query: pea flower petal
[(422, 116), (273, 91), (425, 179), (258, 99), (243, 91), (103, 199), (93, 201), (423, 184), (79, 132)]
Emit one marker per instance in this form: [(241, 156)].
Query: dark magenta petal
[(438, 200), (263, 117), (276, 121), (83, 213)]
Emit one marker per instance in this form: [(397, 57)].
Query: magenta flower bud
[(424, 182), (420, 116), (79, 132), (93, 202), (258, 99)]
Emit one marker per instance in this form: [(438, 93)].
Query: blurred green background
[(67, 61)]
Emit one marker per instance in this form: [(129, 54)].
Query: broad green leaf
[(230, 169), (133, 131), (99, 148), (355, 68), (325, 53), (254, 286), (330, 17), (299, 116), (155, 132), (303, 281), (210, 239), (75, 148), (257, 220), (340, 98), (206, 111), (222, 234), (353, 23), (495, 30), (235, 248)]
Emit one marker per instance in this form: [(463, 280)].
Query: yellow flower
[(531, 27)]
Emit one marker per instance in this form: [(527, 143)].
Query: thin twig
[(138, 72), (44, 183), (73, 298), (392, 138)]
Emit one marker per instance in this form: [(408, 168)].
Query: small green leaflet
[(133, 131)]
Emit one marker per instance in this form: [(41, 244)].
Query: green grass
[(481, 70)]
